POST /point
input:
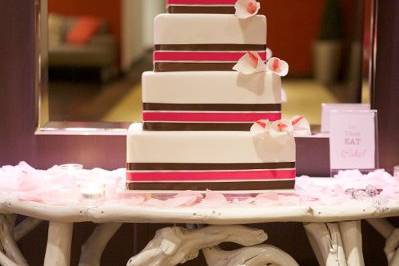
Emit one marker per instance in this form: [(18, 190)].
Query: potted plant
[(328, 47)]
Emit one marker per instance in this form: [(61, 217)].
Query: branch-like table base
[(175, 245)]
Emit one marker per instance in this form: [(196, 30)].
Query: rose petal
[(250, 63), (278, 66), (213, 199), (246, 8)]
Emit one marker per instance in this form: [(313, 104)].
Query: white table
[(334, 231)]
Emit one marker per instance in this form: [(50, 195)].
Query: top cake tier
[(209, 29), (198, 42), (201, 6)]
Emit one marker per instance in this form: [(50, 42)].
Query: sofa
[(98, 52)]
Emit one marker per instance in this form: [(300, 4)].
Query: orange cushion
[(83, 30)]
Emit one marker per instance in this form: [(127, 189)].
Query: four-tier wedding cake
[(212, 105)]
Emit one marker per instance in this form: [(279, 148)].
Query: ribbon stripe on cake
[(147, 172), (235, 175), (241, 8), (230, 117), (186, 116), (201, 2), (210, 107), (208, 166), (201, 9), (188, 66), (198, 60), (159, 126), (211, 47), (201, 6), (202, 56), (217, 186)]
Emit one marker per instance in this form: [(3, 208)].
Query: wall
[(151, 9), (291, 31), (385, 93), (131, 28), (137, 28), (294, 25)]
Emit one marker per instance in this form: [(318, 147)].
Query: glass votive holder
[(71, 169), (92, 192), (396, 171)]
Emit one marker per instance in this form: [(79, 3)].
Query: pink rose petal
[(213, 199)]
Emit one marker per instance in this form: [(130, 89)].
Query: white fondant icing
[(209, 29), (223, 87), (206, 147)]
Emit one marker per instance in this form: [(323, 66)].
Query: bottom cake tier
[(214, 160)]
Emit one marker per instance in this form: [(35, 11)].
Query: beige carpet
[(128, 109)]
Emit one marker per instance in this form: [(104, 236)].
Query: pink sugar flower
[(246, 8), (278, 66)]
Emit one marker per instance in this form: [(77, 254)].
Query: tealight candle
[(92, 190), (71, 168)]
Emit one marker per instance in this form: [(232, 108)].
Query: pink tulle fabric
[(61, 187)]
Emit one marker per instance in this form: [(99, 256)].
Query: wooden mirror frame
[(20, 75)]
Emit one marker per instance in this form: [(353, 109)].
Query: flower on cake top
[(246, 8), (278, 66), (252, 62)]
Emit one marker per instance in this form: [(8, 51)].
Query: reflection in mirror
[(97, 50)]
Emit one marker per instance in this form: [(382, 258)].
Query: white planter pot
[(327, 61)]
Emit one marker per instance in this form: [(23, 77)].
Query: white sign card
[(353, 139), (327, 108)]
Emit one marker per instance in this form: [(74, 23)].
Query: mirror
[(97, 50)]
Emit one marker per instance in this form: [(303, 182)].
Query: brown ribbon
[(229, 186), (210, 107), (176, 67), (156, 126), (202, 9), (210, 47), (207, 166)]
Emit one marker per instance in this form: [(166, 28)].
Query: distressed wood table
[(333, 230)]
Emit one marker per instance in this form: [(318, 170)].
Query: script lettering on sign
[(353, 139)]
